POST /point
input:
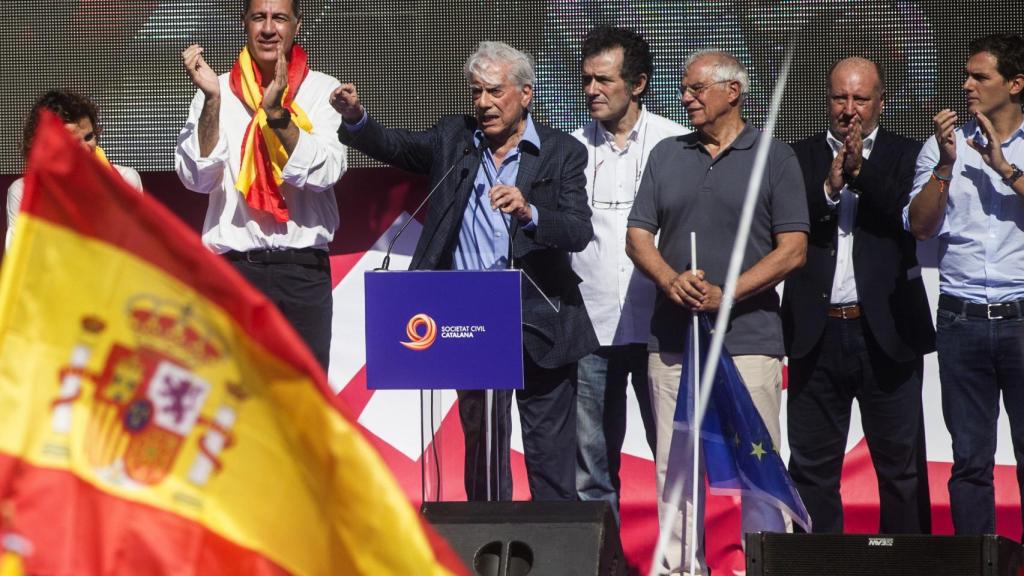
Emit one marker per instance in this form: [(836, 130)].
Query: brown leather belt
[(849, 312)]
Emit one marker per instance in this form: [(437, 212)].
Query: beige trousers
[(763, 378)]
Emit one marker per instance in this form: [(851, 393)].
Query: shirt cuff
[(218, 155), (534, 218), (828, 199), (358, 125)]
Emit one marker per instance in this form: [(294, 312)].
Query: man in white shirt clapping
[(262, 142)]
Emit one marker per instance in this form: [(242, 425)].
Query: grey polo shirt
[(685, 190)]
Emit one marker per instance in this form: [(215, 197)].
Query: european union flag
[(738, 453)]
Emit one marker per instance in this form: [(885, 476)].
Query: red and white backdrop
[(373, 202), (372, 209)]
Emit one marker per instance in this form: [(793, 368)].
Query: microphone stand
[(386, 262)]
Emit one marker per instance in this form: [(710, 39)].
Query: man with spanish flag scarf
[(260, 141)]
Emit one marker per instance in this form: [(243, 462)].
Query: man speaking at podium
[(509, 192)]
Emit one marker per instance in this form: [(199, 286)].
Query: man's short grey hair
[(724, 66), (488, 54)]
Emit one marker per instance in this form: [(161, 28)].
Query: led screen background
[(406, 56)]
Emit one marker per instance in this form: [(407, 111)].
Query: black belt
[(302, 256), (995, 311)]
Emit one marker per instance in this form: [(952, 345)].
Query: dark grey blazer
[(891, 292), (551, 178)]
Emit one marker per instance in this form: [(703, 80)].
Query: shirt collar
[(747, 137), (973, 131), (744, 140), (530, 135), (836, 144), (634, 134)]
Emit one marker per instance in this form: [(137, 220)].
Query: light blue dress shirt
[(483, 237), (981, 239)]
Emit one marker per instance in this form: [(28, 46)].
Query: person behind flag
[(616, 70), (969, 194), (518, 197), (81, 117), (856, 317), (260, 141), (697, 183)]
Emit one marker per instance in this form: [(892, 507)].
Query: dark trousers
[(848, 364), (547, 414), (978, 360), (303, 294)]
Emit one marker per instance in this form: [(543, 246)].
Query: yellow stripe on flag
[(130, 379)]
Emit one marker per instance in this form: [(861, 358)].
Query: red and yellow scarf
[(263, 155)]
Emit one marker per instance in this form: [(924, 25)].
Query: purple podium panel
[(432, 330)]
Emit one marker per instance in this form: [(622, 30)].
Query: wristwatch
[(1014, 176), (279, 118)]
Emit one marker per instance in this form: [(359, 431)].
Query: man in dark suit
[(856, 316), (515, 198)]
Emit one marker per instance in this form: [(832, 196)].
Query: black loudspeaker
[(535, 538), (770, 554)]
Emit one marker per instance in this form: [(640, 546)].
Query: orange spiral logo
[(419, 341)]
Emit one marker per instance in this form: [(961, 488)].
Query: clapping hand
[(945, 125), (204, 78), (853, 149), (274, 92), (992, 150)]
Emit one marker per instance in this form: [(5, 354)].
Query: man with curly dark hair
[(616, 70), (81, 117)]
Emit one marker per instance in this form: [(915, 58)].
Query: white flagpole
[(694, 428)]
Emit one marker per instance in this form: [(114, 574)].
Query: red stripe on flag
[(75, 528)]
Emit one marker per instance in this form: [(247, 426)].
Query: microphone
[(387, 255)]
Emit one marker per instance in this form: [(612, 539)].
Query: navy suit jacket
[(551, 178), (889, 285)]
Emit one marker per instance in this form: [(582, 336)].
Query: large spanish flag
[(159, 416)]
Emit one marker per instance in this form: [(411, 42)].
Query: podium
[(444, 330), (435, 330)]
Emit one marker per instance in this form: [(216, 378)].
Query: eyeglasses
[(638, 172), (616, 205), (697, 90), (597, 204)]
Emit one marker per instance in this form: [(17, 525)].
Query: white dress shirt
[(17, 188), (619, 299), (844, 284), (317, 162)]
